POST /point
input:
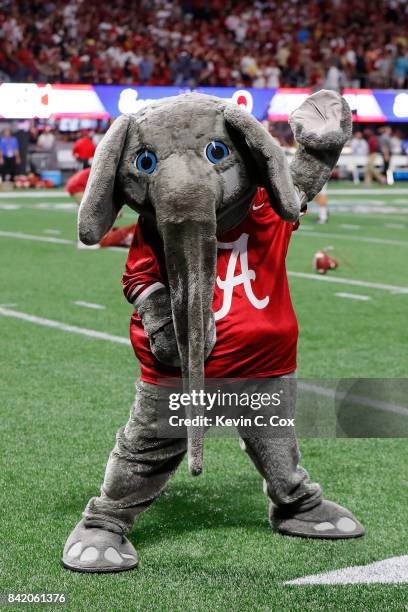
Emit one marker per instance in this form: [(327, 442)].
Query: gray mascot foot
[(89, 549), (327, 520)]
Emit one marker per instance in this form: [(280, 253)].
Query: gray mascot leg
[(138, 469), (296, 504)]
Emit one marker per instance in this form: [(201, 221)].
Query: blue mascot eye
[(146, 162), (216, 151)]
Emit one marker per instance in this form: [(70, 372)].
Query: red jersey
[(84, 148), (373, 146), (77, 182), (256, 325)]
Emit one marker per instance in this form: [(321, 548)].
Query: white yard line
[(4, 195), (363, 211), (353, 296), (398, 226), (41, 207), (68, 206), (349, 208), (348, 281), (350, 226), (73, 329), (369, 191), (388, 571), (352, 398), (23, 236), (368, 239), (332, 191), (55, 232), (90, 305)]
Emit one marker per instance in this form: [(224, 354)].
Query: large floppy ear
[(100, 204), (266, 161), (321, 126)]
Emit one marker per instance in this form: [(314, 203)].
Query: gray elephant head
[(191, 164)]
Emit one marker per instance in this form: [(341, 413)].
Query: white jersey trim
[(146, 292)]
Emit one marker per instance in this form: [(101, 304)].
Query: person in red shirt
[(372, 171), (117, 236), (76, 184), (84, 149)]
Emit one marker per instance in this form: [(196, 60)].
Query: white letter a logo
[(239, 250)]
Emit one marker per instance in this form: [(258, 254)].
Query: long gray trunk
[(191, 251)]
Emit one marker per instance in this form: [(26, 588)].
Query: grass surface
[(206, 543)]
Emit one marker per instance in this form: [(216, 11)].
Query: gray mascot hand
[(321, 126), (157, 320)]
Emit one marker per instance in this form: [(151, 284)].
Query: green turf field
[(206, 544)]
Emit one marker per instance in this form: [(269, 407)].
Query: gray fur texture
[(157, 319), (321, 126), (191, 200)]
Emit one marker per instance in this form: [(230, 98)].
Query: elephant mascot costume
[(191, 166)]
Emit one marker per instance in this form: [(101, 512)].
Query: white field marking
[(90, 305), (338, 206), (400, 215), (366, 202), (350, 226), (367, 210), (8, 305), (91, 333), (348, 281), (350, 203), (40, 207), (398, 226), (10, 206), (353, 398), (368, 239), (353, 296), (73, 329), (369, 191), (54, 207), (388, 571), (52, 231), (4, 195), (48, 206), (332, 190), (22, 236)]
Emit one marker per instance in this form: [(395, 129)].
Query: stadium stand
[(330, 43)]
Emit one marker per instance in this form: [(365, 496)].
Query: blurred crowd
[(271, 43), (366, 138)]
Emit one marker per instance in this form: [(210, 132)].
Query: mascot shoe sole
[(93, 550), (327, 521)]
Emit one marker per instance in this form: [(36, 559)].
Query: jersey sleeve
[(261, 197), (144, 268)]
